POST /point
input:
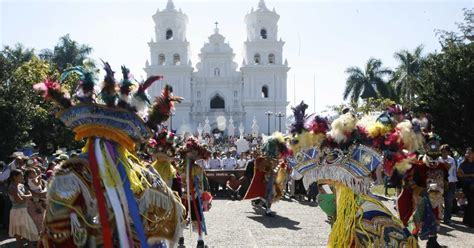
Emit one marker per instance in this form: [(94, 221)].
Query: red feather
[(149, 81)]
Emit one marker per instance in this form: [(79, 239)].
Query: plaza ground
[(296, 224)]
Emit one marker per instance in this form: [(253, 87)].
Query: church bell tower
[(170, 57), (264, 69)]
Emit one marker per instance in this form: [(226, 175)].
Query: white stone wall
[(217, 72)]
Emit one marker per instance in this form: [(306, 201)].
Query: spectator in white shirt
[(215, 162), (229, 162), (452, 179), (242, 161)]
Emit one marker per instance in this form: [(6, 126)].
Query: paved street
[(237, 224)]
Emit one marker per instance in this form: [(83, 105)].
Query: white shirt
[(241, 163), (452, 172), (215, 163), (229, 163)]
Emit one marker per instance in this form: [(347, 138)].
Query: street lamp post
[(279, 115), (268, 114)]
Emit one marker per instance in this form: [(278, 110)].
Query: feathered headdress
[(275, 147), (192, 149), (299, 113), (52, 90), (109, 91), (125, 89), (88, 79), (140, 99), (116, 121), (162, 108), (164, 142)]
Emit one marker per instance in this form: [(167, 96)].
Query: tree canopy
[(439, 83), (26, 118)]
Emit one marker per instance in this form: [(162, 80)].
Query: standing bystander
[(466, 176), (452, 180)]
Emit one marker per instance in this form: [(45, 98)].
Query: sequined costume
[(340, 157), (106, 197)]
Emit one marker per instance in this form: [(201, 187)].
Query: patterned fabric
[(351, 168), (71, 194), (120, 119)]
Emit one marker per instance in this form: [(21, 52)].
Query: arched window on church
[(217, 102), (271, 58), (217, 72), (169, 34), (263, 34), (256, 58), (264, 91), (161, 59), (176, 59)]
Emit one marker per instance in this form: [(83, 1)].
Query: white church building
[(216, 90)]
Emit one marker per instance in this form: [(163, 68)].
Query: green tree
[(447, 93), (67, 53), (405, 79), (368, 82), (17, 101), (25, 116)]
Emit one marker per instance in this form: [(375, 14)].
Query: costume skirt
[(22, 224)]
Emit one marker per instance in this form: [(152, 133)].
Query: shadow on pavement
[(276, 222)]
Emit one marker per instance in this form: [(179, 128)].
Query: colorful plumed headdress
[(351, 149), (193, 150), (162, 142), (112, 115), (276, 147)]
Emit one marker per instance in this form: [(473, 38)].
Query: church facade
[(216, 90)]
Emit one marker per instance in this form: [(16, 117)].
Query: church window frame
[(217, 72), (169, 34), (265, 91), (198, 94), (271, 58), (263, 34), (217, 102), (161, 59), (236, 93), (257, 59), (176, 59)]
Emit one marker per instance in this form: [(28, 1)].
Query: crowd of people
[(24, 181), (23, 189)]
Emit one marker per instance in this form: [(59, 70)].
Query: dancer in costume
[(269, 175), (420, 204), (197, 196), (161, 149), (340, 158), (105, 197)]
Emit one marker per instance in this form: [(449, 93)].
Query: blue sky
[(322, 38)]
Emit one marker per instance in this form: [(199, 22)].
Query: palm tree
[(367, 83), (405, 79), (67, 53)]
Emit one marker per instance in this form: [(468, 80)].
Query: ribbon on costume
[(199, 203), (111, 163), (132, 206), (113, 196), (104, 220)]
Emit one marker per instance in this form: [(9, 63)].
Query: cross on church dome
[(216, 30)]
